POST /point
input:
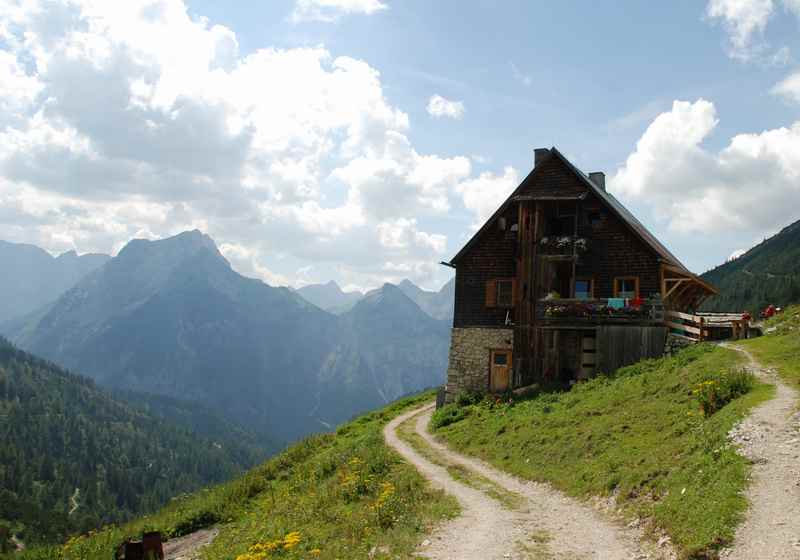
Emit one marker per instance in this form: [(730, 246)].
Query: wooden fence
[(707, 326)]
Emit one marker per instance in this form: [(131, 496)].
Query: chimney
[(598, 178), (538, 155)]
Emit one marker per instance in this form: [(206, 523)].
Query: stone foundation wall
[(468, 366), (675, 344)]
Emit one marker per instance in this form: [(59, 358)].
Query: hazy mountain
[(399, 345), (171, 317), (32, 277), (769, 273), (438, 305), (329, 297), (73, 456)]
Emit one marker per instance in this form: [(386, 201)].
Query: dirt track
[(770, 438), (550, 525)]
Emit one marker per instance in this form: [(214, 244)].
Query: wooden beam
[(537, 198), (682, 327), (678, 298), (675, 286), (680, 315)]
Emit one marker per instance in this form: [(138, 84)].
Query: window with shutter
[(491, 293), (505, 293)]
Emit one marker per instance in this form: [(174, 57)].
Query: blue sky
[(300, 133)]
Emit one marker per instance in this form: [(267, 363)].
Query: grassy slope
[(780, 348), (767, 273), (345, 493), (638, 436)]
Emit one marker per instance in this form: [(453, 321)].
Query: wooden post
[(574, 252)]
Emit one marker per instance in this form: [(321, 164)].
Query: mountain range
[(332, 298), (32, 277), (172, 318), (769, 273)]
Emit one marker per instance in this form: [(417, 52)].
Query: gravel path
[(551, 525), (770, 438), (188, 547)]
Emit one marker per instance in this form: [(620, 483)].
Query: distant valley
[(172, 318), (74, 456)]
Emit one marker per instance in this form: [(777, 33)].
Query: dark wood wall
[(620, 346), (492, 256), (614, 250)]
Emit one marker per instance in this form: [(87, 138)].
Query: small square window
[(626, 287), (505, 293), (500, 359), (584, 288)]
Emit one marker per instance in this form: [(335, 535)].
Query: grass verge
[(638, 435), (780, 347), (340, 495)]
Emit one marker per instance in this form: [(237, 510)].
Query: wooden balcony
[(567, 245), (598, 311)]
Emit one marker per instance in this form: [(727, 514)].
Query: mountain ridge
[(171, 317), (32, 277), (768, 273)]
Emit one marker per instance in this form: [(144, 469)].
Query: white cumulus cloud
[(138, 119), (485, 193), (789, 88), (438, 106), (332, 10), (744, 20), (752, 184)]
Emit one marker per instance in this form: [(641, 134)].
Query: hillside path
[(189, 547), (549, 525), (770, 438)]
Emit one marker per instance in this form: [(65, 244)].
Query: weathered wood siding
[(618, 346), (614, 250), (493, 256)]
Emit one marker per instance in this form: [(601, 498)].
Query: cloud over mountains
[(137, 119)]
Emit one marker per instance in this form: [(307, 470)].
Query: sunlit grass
[(639, 436), (339, 495)]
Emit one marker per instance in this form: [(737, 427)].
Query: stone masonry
[(468, 366), (675, 344)]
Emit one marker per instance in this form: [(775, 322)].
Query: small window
[(626, 287), (505, 293), (500, 359), (501, 292), (584, 288)]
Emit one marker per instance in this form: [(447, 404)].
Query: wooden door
[(500, 371)]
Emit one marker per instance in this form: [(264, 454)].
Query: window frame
[(577, 279), (493, 291), (617, 291), (510, 282)]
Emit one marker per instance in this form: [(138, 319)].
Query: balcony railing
[(600, 310)]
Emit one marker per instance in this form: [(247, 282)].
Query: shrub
[(467, 398), (718, 390), (448, 414)]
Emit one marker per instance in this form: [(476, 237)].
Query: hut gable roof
[(605, 197)]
